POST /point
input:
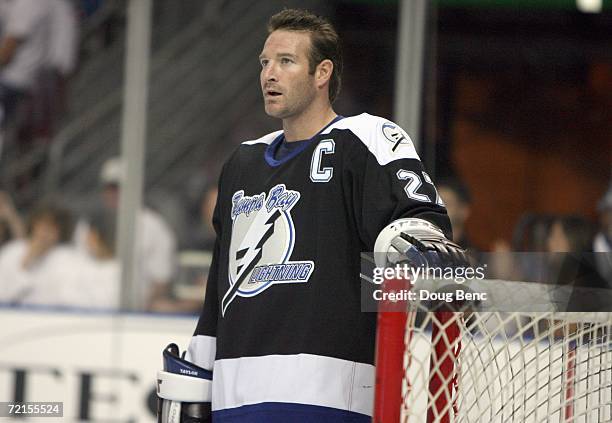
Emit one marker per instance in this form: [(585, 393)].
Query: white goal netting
[(495, 366), (507, 367)]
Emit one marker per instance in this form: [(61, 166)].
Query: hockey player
[(282, 337)]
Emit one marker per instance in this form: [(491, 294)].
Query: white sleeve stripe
[(202, 350)]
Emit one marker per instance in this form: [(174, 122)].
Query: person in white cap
[(155, 244)]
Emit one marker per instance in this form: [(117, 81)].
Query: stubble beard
[(293, 105), (294, 109)]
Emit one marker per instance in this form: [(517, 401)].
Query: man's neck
[(308, 124)]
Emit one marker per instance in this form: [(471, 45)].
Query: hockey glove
[(184, 390), (419, 243)]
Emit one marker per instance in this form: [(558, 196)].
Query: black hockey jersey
[(282, 327)]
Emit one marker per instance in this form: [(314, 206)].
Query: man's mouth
[(272, 93)]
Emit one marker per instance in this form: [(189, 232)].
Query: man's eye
[(263, 62), (285, 60)]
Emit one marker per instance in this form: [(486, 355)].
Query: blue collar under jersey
[(279, 151)]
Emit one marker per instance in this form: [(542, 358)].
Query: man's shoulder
[(247, 150), (265, 140), (386, 140), (363, 120)]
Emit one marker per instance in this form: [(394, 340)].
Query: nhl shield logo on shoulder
[(263, 237)]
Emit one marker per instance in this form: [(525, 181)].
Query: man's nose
[(269, 73)]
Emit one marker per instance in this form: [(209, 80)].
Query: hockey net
[(493, 367)]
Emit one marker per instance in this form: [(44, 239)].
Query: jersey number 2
[(414, 183)]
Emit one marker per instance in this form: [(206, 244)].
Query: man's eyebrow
[(262, 55)]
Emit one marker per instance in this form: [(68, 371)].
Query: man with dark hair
[(282, 337), (324, 43)]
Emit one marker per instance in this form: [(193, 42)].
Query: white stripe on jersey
[(201, 351), (299, 379)]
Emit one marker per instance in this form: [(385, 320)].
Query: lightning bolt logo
[(248, 255)]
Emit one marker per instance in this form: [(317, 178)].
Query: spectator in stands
[(205, 238), (60, 64), (27, 265), (45, 269), (570, 260), (11, 224), (155, 243), (209, 201), (100, 274), (457, 199), (24, 46), (569, 234), (37, 36), (602, 244)]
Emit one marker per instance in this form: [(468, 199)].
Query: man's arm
[(386, 181), (400, 214)]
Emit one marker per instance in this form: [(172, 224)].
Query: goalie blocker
[(183, 390)]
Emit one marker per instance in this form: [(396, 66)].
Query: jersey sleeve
[(387, 181)]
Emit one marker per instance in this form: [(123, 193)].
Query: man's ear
[(323, 72)]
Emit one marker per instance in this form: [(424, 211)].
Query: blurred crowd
[(559, 249), (57, 253), (54, 257)]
